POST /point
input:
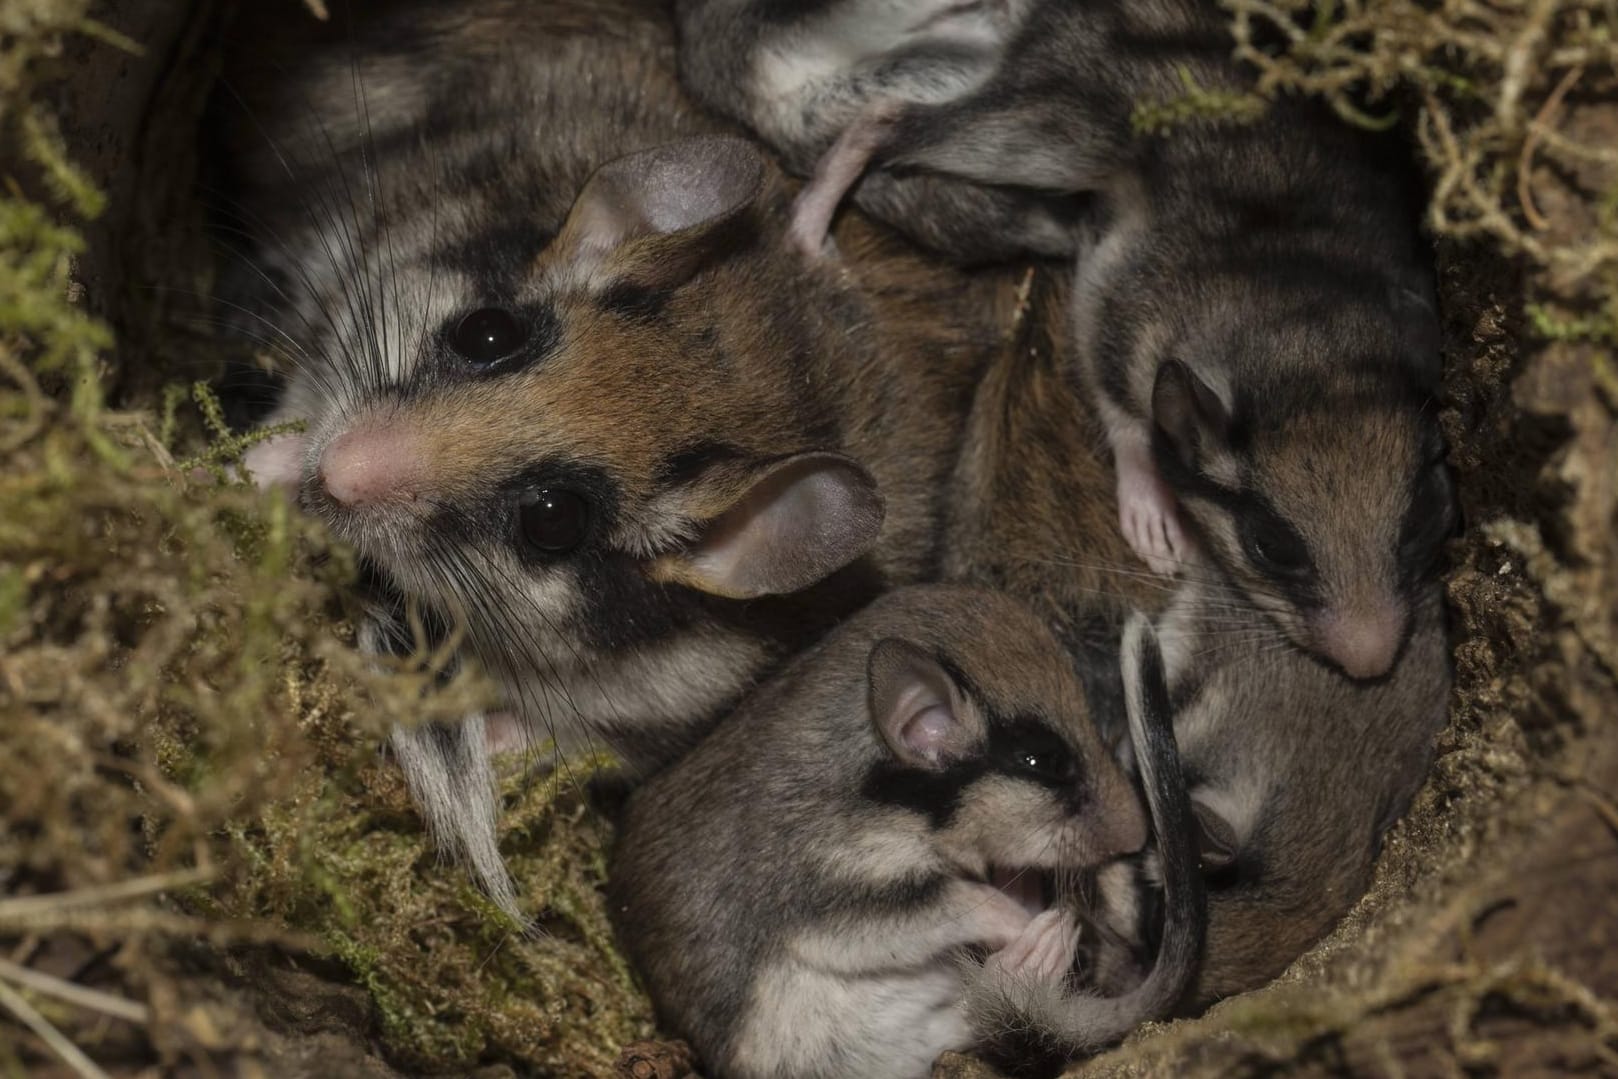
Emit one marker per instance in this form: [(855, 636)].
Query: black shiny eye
[(1033, 751), (487, 334), (554, 520), (1274, 546)]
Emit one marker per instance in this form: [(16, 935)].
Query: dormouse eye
[(487, 334), (554, 520), (1274, 546), (1034, 752)]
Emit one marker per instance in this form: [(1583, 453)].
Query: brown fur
[(384, 167)]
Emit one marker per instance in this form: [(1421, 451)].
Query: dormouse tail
[(1045, 1015), (1151, 731), (451, 779)]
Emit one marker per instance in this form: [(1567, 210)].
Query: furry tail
[(451, 778), (445, 765), (1185, 918), (1043, 1016)]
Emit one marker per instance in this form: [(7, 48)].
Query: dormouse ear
[(652, 215), (1216, 839), (917, 708), (797, 521), (1188, 412)]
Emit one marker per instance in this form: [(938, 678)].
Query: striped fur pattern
[(1294, 772), (1254, 313), (1034, 1013), (678, 371), (800, 890)]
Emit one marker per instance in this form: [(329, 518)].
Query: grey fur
[(800, 74), (1304, 769), (1254, 310), (423, 161), (1042, 1010), (790, 861)]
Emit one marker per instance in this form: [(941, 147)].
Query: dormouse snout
[(370, 465), (1364, 640)]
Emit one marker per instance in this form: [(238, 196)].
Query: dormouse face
[(1326, 507), (553, 436), (1009, 781)]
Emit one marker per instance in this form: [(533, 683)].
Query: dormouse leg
[(838, 170), (1148, 512)]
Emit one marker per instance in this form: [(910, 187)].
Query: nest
[(204, 865)]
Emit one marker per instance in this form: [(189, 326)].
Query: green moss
[(1197, 104), (173, 655)]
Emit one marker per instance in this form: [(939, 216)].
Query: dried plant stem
[(71, 1054), (1536, 130), (25, 907), (90, 999)]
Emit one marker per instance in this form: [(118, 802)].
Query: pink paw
[(1149, 515), (1042, 952)]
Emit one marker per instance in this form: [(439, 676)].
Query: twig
[(1525, 161), (71, 1054), (1601, 804), (62, 989), (23, 907), (1020, 313)]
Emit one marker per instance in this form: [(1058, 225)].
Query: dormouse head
[(992, 742), (584, 441), (1324, 500)]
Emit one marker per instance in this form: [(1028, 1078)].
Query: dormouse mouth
[(1031, 888)]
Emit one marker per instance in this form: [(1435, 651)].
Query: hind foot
[(838, 170), (1043, 952), (1148, 513)]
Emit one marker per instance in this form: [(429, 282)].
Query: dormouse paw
[(1043, 952), (1149, 515)]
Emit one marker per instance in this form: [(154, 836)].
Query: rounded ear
[(1216, 839), (1188, 412), (796, 522), (650, 214), (916, 706)]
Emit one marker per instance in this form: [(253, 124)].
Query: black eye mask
[(1027, 749), (1273, 546)]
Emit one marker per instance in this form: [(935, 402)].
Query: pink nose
[(1363, 643), (367, 465)]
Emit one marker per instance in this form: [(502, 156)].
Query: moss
[(1196, 104), (188, 749)]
